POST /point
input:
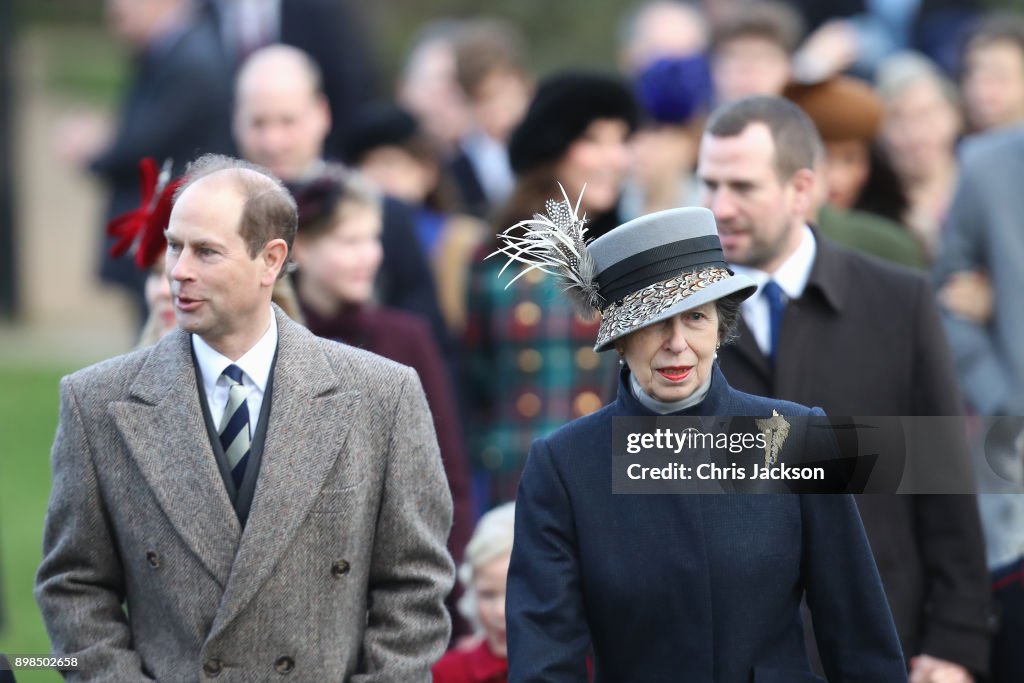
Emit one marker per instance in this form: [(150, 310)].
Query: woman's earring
[(717, 346)]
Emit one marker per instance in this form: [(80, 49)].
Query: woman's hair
[(883, 193), (531, 190), (492, 540), (728, 316), (905, 69), (322, 202)]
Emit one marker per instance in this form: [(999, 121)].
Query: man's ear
[(275, 256), (803, 182)]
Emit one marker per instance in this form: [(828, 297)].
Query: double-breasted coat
[(340, 571)]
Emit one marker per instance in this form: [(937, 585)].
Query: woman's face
[(920, 129), (598, 158), (671, 359), (489, 588), (662, 152), (158, 297), (847, 167), (343, 263)]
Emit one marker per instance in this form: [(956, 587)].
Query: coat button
[(284, 665), (153, 559), (339, 568), (586, 402), (527, 314), (530, 360), (534, 277), (587, 359), (212, 667), (528, 404)]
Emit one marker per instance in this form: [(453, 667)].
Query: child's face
[(489, 586), (343, 263)]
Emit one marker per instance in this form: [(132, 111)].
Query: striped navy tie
[(234, 426)]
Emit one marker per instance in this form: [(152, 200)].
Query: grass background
[(29, 406)]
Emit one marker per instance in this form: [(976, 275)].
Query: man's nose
[(721, 203)]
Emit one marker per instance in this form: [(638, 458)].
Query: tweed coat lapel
[(163, 429), (310, 415)]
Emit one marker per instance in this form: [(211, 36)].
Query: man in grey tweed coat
[(320, 553)]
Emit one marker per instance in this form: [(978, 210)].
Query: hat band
[(643, 306), (657, 264)]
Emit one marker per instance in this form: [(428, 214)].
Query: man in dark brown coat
[(855, 336)]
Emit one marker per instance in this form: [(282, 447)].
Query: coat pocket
[(335, 500)]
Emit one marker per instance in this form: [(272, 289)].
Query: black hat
[(378, 125), (562, 108)]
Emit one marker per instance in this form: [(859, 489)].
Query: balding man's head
[(281, 115), (268, 210)]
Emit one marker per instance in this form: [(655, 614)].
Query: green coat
[(871, 234)]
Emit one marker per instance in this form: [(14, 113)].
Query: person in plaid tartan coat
[(530, 366)]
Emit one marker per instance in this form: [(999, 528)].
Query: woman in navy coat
[(693, 588)]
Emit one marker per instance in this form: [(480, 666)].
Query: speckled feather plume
[(555, 244)]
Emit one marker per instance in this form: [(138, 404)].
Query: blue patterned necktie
[(776, 307), (234, 426)]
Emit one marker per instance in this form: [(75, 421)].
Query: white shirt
[(489, 159), (255, 365), (247, 25), (791, 277)]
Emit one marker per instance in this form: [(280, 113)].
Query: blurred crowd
[(920, 106)]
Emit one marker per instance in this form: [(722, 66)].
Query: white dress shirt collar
[(255, 363), (791, 276)]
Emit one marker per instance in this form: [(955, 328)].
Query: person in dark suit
[(243, 498), (331, 32), (856, 336), (178, 105), (677, 587), (281, 120)]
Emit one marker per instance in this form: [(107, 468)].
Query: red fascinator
[(142, 230)]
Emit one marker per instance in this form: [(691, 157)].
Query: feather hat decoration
[(141, 230), (555, 244)]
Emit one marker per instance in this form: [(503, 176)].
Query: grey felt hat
[(640, 273), (658, 265)]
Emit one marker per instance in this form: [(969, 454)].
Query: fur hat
[(378, 125), (642, 272), (564, 105), (842, 108)]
